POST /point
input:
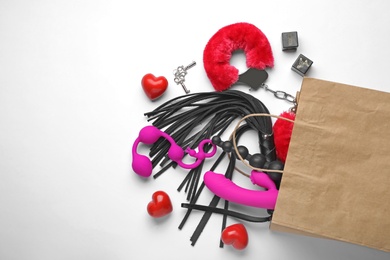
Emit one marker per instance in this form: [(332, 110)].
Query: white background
[(71, 105)]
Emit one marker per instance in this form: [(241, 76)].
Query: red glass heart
[(153, 86), (160, 205), (235, 235)]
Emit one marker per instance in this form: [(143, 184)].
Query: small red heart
[(160, 205), (235, 235), (153, 86)]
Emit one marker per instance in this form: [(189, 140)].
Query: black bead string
[(256, 160)]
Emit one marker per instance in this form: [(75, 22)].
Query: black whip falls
[(191, 118)]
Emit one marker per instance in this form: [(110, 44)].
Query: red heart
[(153, 86), (160, 205), (235, 235)]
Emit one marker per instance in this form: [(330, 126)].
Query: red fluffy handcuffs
[(219, 49)]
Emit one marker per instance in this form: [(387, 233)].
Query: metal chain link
[(279, 94), (282, 95)]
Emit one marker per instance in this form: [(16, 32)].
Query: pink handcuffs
[(149, 135)]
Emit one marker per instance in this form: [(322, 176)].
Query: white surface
[(71, 105)]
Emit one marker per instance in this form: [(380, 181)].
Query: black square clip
[(301, 65), (290, 41)]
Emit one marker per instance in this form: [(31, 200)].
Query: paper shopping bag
[(336, 180)]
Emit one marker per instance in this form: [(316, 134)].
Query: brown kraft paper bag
[(336, 180)]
